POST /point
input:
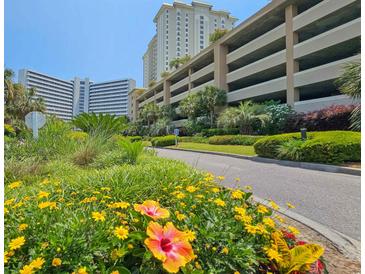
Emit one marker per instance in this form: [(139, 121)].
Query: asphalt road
[(331, 199)]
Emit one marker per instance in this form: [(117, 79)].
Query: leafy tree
[(350, 84), (246, 116), (19, 100), (216, 35), (105, 124), (211, 98), (279, 116)]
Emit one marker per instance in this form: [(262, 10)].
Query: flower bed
[(158, 215)]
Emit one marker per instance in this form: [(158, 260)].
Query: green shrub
[(245, 140), (109, 159), (164, 141), (219, 131), (193, 139), (9, 130), (320, 147), (89, 150), (267, 146), (78, 136), (132, 150), (117, 138)]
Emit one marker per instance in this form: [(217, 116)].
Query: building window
[(178, 54), (178, 33), (178, 44), (201, 47), (201, 17), (178, 39), (186, 40), (178, 23), (186, 25), (201, 27)]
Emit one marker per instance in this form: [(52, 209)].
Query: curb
[(348, 246), (305, 165)]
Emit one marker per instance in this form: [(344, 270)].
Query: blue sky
[(99, 39)]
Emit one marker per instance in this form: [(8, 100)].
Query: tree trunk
[(211, 119)]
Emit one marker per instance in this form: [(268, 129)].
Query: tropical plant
[(217, 34), (89, 150), (19, 100), (165, 74), (178, 61), (132, 150), (350, 84), (290, 150), (211, 98), (150, 113), (151, 83), (246, 117), (299, 258), (106, 124), (190, 106)]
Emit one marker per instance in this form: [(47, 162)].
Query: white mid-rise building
[(66, 99), (182, 29)]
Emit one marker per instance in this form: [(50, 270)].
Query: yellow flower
[(290, 205), (51, 205), (274, 205), (180, 195), (17, 243), (115, 272), (26, 198), (273, 255), (122, 205), (248, 187), (45, 181), (22, 227), (199, 196), (221, 178), (56, 262), (215, 189), (225, 250), (293, 230), (191, 189), (89, 200), (6, 211), (237, 179), (236, 272), (15, 184), (269, 222), (262, 209), (180, 216), (18, 205), (44, 245), (219, 202), (251, 229), (121, 232), (43, 194), (190, 235), (27, 269), (105, 188), (130, 246), (7, 255), (246, 219), (237, 194), (240, 210), (37, 263), (197, 265), (82, 270), (98, 216), (9, 202)]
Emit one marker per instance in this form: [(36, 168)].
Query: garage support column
[(292, 66), (166, 92), (220, 66), (190, 86)]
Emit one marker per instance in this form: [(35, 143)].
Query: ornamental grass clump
[(108, 223)]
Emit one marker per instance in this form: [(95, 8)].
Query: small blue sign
[(176, 132)]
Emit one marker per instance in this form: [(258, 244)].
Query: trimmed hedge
[(194, 139), (117, 138), (164, 141), (78, 136), (245, 140), (321, 147), (219, 131)]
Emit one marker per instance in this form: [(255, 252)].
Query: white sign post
[(35, 120)]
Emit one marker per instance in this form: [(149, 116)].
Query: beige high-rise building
[(182, 29)]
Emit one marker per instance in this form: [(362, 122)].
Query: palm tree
[(350, 84), (211, 98), (245, 117), (190, 106), (165, 74), (150, 113), (8, 84), (175, 63)]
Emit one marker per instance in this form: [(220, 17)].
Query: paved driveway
[(332, 199)]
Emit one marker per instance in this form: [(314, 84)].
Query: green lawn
[(233, 149)]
